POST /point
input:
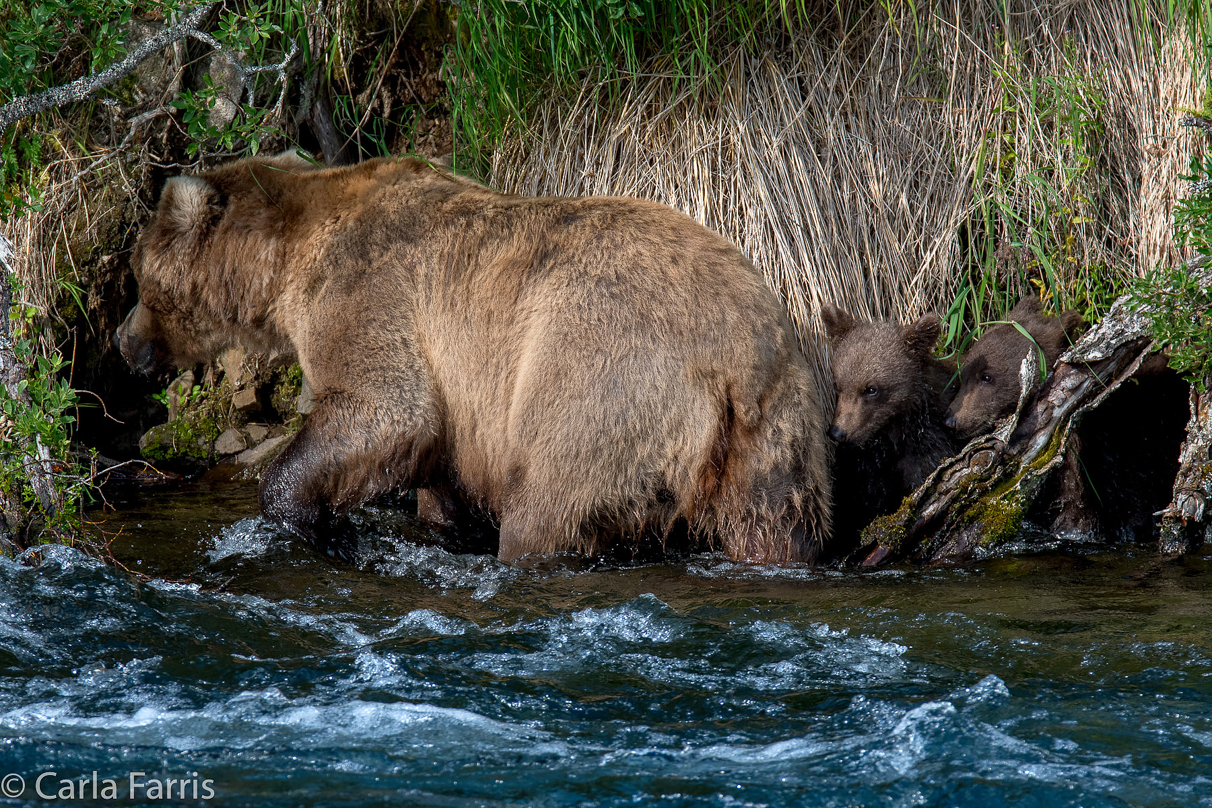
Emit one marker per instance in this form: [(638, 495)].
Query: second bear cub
[(989, 384)]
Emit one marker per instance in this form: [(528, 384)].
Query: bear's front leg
[(294, 494), (344, 455)]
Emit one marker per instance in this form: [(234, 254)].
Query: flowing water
[(261, 675)]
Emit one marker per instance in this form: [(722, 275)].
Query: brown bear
[(585, 371), (892, 397), (989, 370)]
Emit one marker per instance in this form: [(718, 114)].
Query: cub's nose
[(837, 433), (950, 422)]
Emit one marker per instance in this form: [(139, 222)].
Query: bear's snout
[(966, 417), (139, 352), (836, 432)]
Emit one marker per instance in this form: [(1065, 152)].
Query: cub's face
[(989, 370), (877, 371), (989, 381)]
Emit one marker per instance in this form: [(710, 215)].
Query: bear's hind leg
[(532, 529)]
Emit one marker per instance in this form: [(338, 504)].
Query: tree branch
[(85, 86)]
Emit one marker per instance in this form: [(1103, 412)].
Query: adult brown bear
[(583, 370)]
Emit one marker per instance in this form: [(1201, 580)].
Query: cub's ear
[(1073, 323), (1029, 305), (921, 335), (191, 203), (838, 323)]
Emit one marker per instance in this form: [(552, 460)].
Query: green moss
[(192, 433), (287, 386), (999, 517), (1050, 451), (891, 530), (178, 438)]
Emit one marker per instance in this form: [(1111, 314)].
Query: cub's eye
[(986, 378), (871, 392)]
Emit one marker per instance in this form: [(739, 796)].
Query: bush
[(1177, 301)]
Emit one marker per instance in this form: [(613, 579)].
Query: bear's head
[(878, 370), (989, 370), (206, 263)]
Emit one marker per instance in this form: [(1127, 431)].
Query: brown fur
[(989, 376), (892, 396), (583, 370), (890, 385)]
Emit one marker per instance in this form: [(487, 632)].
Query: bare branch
[(1197, 121), (135, 123), (85, 86)]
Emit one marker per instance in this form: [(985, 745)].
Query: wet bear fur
[(586, 372), (892, 397)]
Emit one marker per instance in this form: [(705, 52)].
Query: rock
[(254, 459), (152, 437), (246, 400), (154, 76), (227, 80), (230, 442), (306, 401), (174, 440), (232, 362), (179, 391), (257, 432)]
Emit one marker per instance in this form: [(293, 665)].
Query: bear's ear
[(294, 160), (190, 202), (921, 335), (1028, 306), (1073, 323), (838, 323)]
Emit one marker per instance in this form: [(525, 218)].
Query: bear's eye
[(871, 391), (986, 378)]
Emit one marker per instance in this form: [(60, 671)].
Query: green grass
[(509, 55), (1037, 187)]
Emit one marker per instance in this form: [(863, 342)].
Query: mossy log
[(975, 502)]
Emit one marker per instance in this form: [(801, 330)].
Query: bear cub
[(989, 370), (1123, 456), (892, 397)]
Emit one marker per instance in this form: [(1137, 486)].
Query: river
[(232, 660)]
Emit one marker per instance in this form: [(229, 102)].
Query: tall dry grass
[(86, 207), (946, 163)]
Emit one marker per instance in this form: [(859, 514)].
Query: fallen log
[(976, 502)]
